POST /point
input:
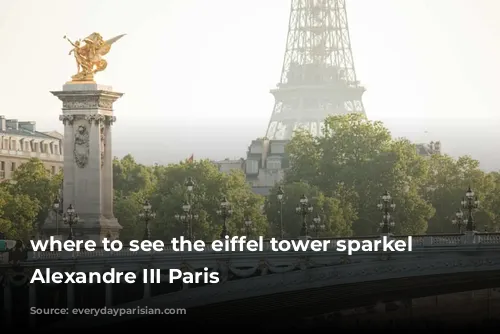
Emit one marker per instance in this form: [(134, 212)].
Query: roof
[(54, 134), (26, 133)]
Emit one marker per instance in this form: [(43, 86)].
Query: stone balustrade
[(431, 254), (418, 241)]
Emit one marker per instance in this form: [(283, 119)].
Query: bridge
[(257, 282)]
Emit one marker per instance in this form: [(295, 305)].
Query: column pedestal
[(87, 115)]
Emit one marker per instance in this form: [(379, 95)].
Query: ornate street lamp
[(225, 212), (70, 218), (387, 206), (459, 220), (470, 203), (56, 208), (187, 217), (147, 215), (303, 209), (248, 229), (317, 226), (280, 195), (189, 185)]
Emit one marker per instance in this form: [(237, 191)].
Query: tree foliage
[(342, 172), (26, 201), (362, 156), (165, 187), (335, 213)]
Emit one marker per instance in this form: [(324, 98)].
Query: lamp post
[(303, 209), (224, 212), (458, 220), (248, 229), (386, 205), (56, 208), (147, 215), (316, 225), (280, 195), (470, 203), (70, 218), (189, 185), (186, 218)]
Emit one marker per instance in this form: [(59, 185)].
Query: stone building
[(264, 166), (266, 162), (426, 150), (20, 142)]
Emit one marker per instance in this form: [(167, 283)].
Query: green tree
[(18, 212), (33, 180), (127, 209), (210, 186), (335, 213), (491, 203), (447, 182), (130, 176), (133, 183), (361, 156)]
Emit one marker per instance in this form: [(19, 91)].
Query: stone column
[(470, 237), (107, 169), (92, 169), (7, 300), (88, 107), (32, 303), (109, 295), (68, 164), (70, 298)]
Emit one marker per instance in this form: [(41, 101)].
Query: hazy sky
[(197, 73)]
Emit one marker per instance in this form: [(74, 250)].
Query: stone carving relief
[(96, 118), (81, 148), (110, 120), (88, 103), (67, 119)]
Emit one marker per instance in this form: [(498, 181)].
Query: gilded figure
[(89, 55)]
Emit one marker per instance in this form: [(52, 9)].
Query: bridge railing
[(418, 241)]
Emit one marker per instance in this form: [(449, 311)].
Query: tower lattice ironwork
[(318, 77)]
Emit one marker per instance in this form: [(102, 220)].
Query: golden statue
[(89, 56)]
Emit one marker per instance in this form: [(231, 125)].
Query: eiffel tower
[(318, 77)]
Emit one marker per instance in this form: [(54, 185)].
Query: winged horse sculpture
[(89, 56)]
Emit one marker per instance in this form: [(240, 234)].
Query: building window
[(273, 164), (53, 170), (13, 167)]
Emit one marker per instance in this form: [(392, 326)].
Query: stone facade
[(20, 142), (267, 161), (88, 164), (264, 166)]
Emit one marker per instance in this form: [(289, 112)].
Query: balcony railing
[(418, 242)]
